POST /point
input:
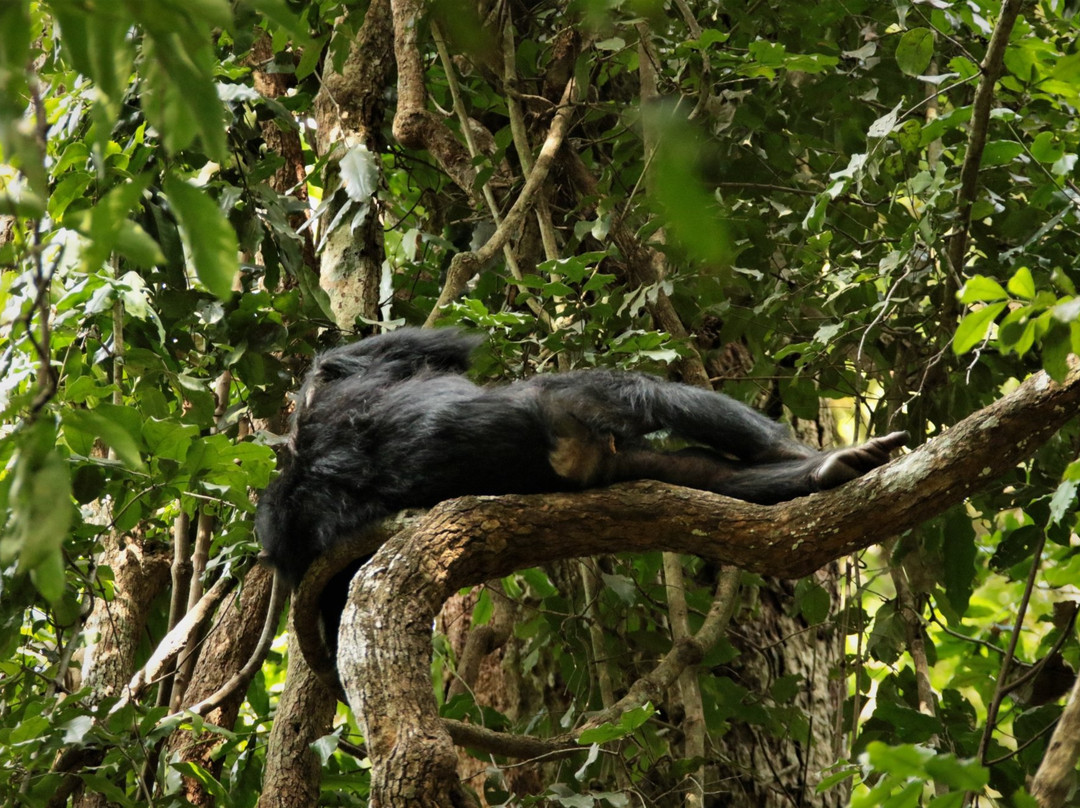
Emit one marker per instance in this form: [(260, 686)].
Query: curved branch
[(386, 627), (465, 265), (279, 593), (180, 637)]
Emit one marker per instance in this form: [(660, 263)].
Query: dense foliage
[(804, 172)]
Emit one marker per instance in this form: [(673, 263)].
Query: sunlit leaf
[(980, 289), (1022, 285), (974, 327)]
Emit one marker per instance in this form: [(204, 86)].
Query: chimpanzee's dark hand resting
[(390, 422)]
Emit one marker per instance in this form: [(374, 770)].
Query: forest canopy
[(856, 217)]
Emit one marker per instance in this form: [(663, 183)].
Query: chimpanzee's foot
[(842, 465)]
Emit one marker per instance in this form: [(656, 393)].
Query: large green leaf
[(974, 327), (915, 50), (207, 234)]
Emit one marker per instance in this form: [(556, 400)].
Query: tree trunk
[(304, 713), (139, 576), (226, 649)]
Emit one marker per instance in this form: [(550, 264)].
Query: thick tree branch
[(386, 629)]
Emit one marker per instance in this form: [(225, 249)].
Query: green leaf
[(107, 422), (279, 12), (208, 236), (41, 509), (539, 582), (1046, 148), (628, 722), (168, 439), (960, 775), (32, 728), (980, 289), (812, 601), (181, 97), (1057, 344), (325, 747), (106, 225), (14, 56), (1063, 501), (601, 734), (1015, 547), (845, 773), (1001, 152), (483, 610), (215, 12), (915, 50), (1016, 332), (96, 44), (48, 572), (1067, 69), (137, 246), (688, 208), (959, 553), (908, 723), (973, 328), (1022, 285)]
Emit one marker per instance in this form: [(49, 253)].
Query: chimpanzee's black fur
[(390, 422)]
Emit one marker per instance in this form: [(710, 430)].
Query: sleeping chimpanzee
[(391, 422)]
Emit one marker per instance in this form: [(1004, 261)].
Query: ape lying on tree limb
[(390, 423)]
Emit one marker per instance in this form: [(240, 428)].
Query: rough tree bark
[(305, 711), (224, 652), (386, 630), (139, 574), (349, 110), (1056, 776)]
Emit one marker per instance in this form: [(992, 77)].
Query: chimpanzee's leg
[(723, 423), (765, 483), (708, 471), (595, 419), (630, 405)]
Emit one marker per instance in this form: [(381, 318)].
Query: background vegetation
[(857, 216)]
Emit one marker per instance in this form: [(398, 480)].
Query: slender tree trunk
[(225, 651), (117, 625), (304, 713)]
